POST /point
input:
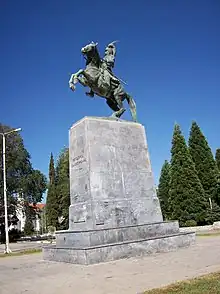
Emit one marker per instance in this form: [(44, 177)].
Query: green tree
[(204, 161), (43, 220), (34, 186), (18, 165), (30, 217), (212, 214), (217, 192), (63, 188), (163, 188), (52, 203), (52, 174), (186, 195), (22, 179), (217, 158)]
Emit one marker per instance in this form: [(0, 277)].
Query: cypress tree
[(217, 158), (52, 204), (52, 174), (216, 195), (186, 194), (63, 188), (163, 188), (204, 161), (217, 192), (30, 217)]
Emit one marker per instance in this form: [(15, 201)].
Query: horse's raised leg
[(74, 79)]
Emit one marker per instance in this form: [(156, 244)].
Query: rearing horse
[(102, 83)]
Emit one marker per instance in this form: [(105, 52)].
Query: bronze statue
[(99, 77)]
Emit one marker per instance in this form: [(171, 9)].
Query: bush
[(51, 229), (213, 215), (14, 236), (190, 223)]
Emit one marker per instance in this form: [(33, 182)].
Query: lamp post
[(7, 249)]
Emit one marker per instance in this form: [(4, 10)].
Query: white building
[(21, 216)]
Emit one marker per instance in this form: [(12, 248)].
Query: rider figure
[(109, 58), (108, 63)]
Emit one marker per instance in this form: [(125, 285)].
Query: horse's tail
[(132, 106)]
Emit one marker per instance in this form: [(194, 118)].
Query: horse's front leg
[(74, 79)]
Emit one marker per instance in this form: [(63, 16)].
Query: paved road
[(31, 275), (15, 247)]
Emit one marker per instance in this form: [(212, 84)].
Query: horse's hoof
[(113, 117), (135, 120), (72, 87)]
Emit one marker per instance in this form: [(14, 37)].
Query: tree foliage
[(63, 188), (21, 178), (18, 165), (52, 174), (217, 158), (58, 196), (52, 204), (34, 187), (212, 214), (186, 195), (163, 188), (30, 215), (204, 161)]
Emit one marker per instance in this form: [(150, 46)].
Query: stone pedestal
[(114, 211)]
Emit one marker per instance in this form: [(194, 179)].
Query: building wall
[(21, 217)]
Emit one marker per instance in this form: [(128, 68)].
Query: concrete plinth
[(114, 211)]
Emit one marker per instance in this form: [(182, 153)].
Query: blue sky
[(169, 54)]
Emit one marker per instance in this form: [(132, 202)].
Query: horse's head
[(89, 49), (91, 53)]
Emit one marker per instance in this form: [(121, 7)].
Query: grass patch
[(215, 234), (22, 252), (208, 284)]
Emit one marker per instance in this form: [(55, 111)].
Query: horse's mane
[(95, 57)]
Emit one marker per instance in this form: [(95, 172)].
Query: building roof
[(38, 205)]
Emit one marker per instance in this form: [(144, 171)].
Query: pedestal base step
[(126, 249), (89, 238)]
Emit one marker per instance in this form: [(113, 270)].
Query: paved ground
[(21, 246), (29, 274)]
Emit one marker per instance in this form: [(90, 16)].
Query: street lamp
[(7, 249)]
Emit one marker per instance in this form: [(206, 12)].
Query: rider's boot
[(90, 94)]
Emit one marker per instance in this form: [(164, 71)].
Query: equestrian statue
[(99, 77)]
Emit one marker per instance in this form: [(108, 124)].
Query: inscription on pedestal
[(78, 160)]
